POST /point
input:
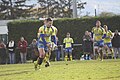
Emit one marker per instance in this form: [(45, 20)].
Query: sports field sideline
[(72, 70)]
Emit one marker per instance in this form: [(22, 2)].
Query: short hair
[(68, 33), (49, 19)]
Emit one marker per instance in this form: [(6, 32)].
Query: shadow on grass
[(111, 77), (21, 72)]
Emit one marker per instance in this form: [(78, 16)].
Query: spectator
[(87, 42), (11, 51), (58, 50), (2, 53), (22, 45), (33, 47), (116, 44)]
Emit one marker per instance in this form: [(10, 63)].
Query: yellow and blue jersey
[(68, 42), (107, 39), (47, 32), (98, 33), (54, 33)]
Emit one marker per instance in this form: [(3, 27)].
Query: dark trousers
[(3, 56)]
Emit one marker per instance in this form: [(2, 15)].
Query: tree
[(12, 9), (103, 14), (56, 8)]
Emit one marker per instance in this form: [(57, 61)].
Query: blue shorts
[(41, 45), (99, 43), (68, 50), (108, 45)]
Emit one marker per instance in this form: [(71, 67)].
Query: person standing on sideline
[(2, 53), (34, 49), (87, 41), (68, 45), (116, 44), (11, 50), (22, 45)]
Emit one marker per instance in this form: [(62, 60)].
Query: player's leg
[(96, 53), (47, 55), (40, 56), (70, 53), (96, 50), (106, 49), (46, 59), (101, 48), (66, 54), (111, 49)]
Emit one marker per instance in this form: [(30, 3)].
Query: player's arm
[(64, 42), (111, 35), (104, 34), (92, 32), (54, 36), (72, 43)]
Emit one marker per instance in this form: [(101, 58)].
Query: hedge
[(77, 27)]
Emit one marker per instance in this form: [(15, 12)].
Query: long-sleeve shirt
[(22, 45)]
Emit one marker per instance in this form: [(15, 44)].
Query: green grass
[(75, 70)]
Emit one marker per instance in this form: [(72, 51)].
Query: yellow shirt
[(68, 42), (47, 31), (98, 33), (54, 30), (107, 39)]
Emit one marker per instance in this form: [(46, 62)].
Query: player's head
[(68, 35), (22, 39), (86, 33), (98, 23), (34, 40), (105, 27), (116, 32), (48, 22)]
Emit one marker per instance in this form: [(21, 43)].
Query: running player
[(68, 45), (107, 40), (98, 33), (44, 40), (53, 44)]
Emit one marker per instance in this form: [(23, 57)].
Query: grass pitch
[(74, 70)]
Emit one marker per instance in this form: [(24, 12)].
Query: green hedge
[(77, 27)]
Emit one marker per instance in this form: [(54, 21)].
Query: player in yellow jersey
[(68, 45), (98, 34), (44, 40), (53, 43), (107, 40)]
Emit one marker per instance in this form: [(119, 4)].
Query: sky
[(101, 6)]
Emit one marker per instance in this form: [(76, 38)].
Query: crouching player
[(98, 34), (44, 40), (107, 41), (68, 45)]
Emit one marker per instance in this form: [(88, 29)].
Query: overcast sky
[(101, 6)]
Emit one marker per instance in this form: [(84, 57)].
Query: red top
[(22, 45), (2, 45)]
